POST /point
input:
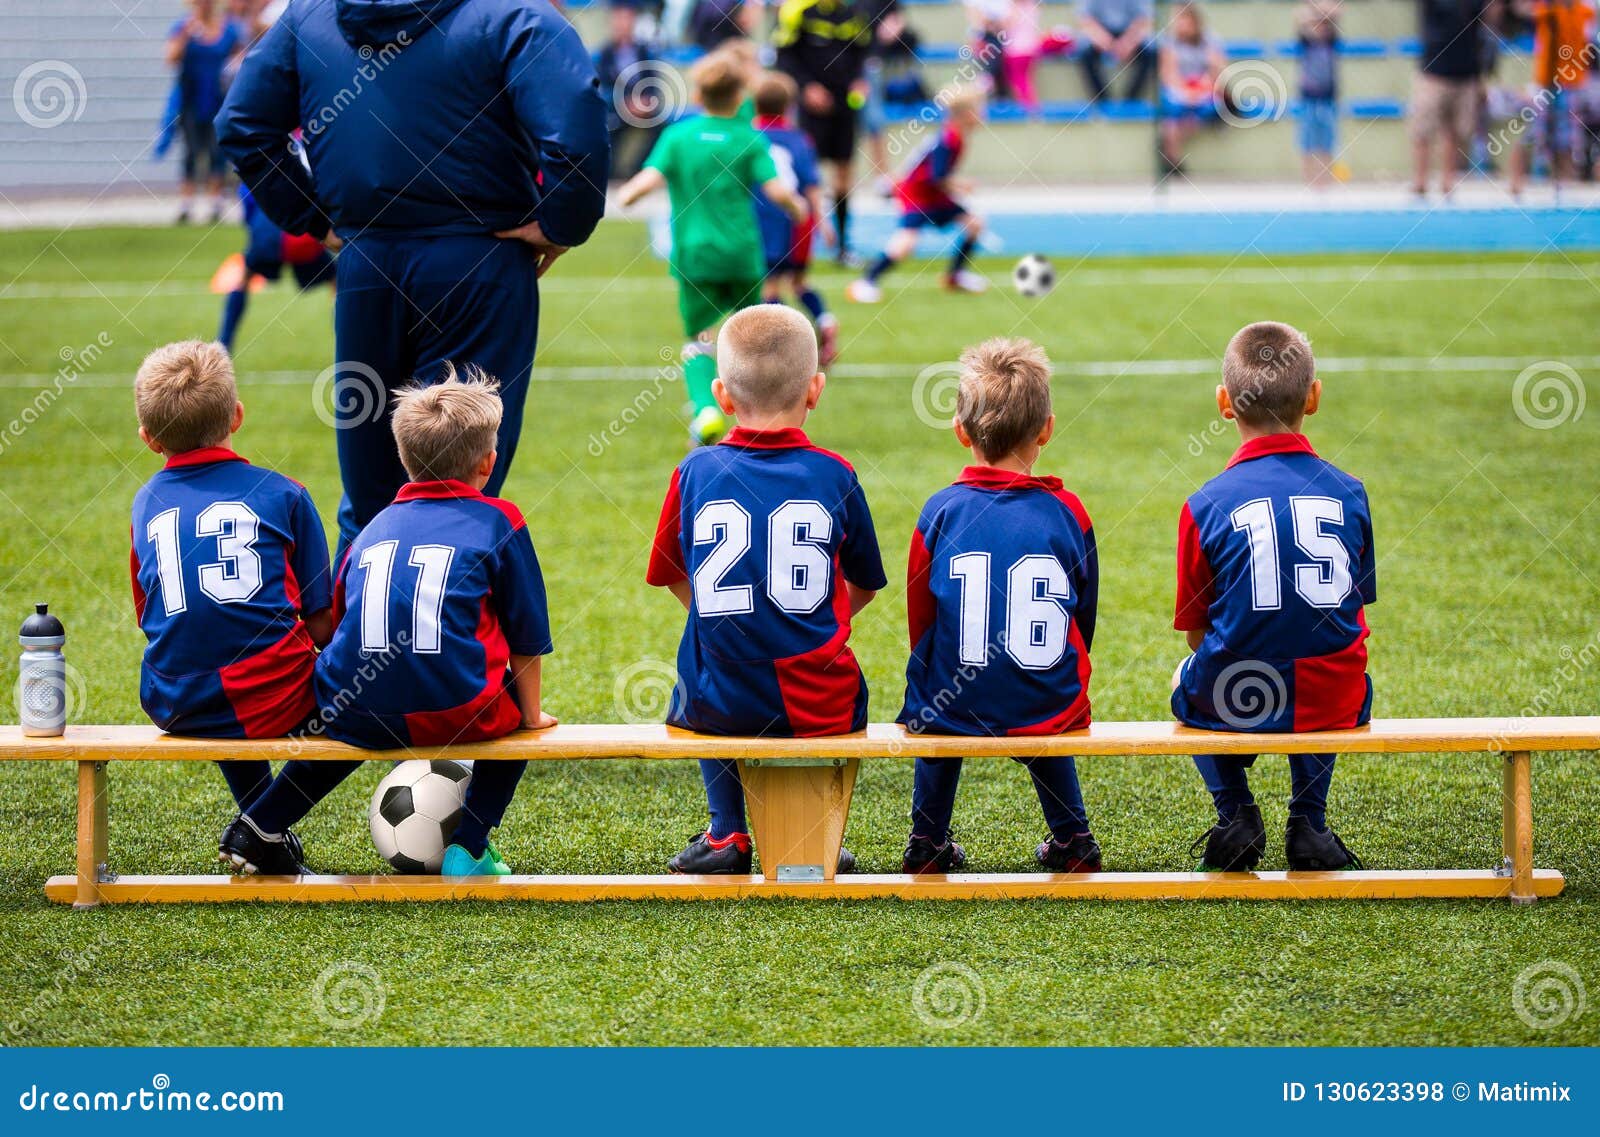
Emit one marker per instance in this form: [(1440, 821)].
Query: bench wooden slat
[(880, 740), (1374, 885)]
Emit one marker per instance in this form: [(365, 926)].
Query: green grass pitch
[(1488, 554)]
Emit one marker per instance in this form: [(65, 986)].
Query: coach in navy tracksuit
[(457, 147)]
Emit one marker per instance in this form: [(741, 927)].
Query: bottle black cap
[(42, 625)]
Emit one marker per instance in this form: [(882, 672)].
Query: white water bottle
[(42, 678)]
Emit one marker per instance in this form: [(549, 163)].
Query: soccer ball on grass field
[(1034, 276), (414, 811)]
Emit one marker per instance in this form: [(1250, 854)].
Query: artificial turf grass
[(1485, 538)]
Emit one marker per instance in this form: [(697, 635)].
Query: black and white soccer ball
[(1034, 276), (414, 811)]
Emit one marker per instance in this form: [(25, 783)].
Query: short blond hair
[(964, 99), (719, 81), (1004, 398), (184, 395), (444, 430), (1268, 370), (766, 356)]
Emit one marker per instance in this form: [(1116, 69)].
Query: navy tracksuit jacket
[(428, 125)]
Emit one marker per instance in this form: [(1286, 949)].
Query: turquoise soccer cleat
[(459, 862)]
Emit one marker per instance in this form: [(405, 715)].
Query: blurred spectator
[(1191, 62), (1118, 32), (1025, 40), (199, 48), (1446, 92), (713, 22), (1317, 30), (893, 74), (987, 21), (1562, 57), (632, 81)]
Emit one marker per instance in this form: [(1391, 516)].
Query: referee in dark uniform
[(823, 45)]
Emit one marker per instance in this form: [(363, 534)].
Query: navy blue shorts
[(938, 217)]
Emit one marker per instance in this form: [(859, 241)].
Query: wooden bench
[(799, 800)]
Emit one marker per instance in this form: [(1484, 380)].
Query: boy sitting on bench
[(1275, 564)]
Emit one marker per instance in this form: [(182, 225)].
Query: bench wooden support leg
[(798, 808), (1516, 808), (92, 868)]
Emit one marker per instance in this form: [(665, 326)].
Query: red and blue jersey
[(767, 528), (226, 559), (432, 600), (796, 160), (1002, 588), (922, 188), (1275, 565)]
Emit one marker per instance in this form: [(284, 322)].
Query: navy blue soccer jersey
[(796, 161), (226, 559), (1002, 587), (431, 602), (1275, 564), (767, 528)]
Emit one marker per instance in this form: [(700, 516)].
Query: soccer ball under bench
[(414, 811)]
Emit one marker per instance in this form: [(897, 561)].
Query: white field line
[(1342, 273), (1373, 365)]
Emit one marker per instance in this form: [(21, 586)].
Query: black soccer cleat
[(847, 860), (1237, 846), (923, 856), (245, 849), (706, 857), (1316, 850), (1081, 854)]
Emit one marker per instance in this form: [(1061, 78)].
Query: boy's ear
[(1047, 433), (1314, 396), (144, 437), (814, 391), (238, 417), (961, 433), (486, 464), (724, 400), (1224, 403)]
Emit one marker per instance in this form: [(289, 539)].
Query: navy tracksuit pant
[(406, 306)]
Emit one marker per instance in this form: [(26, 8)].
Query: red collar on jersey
[(200, 456), (1272, 444), (784, 438), (989, 478), (770, 122), (434, 491)]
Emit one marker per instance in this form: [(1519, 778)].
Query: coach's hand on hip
[(531, 233)]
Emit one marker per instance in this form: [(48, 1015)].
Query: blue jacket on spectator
[(423, 118)]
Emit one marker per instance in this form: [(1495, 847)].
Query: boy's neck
[(1248, 433), (1017, 462), (722, 114), (781, 420)]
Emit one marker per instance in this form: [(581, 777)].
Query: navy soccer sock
[(933, 797), (1228, 782), (724, 795), (963, 255), (1055, 780), (232, 313), (841, 221), (299, 786), (880, 266), (1310, 775), (489, 795), (811, 300), (246, 780)]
